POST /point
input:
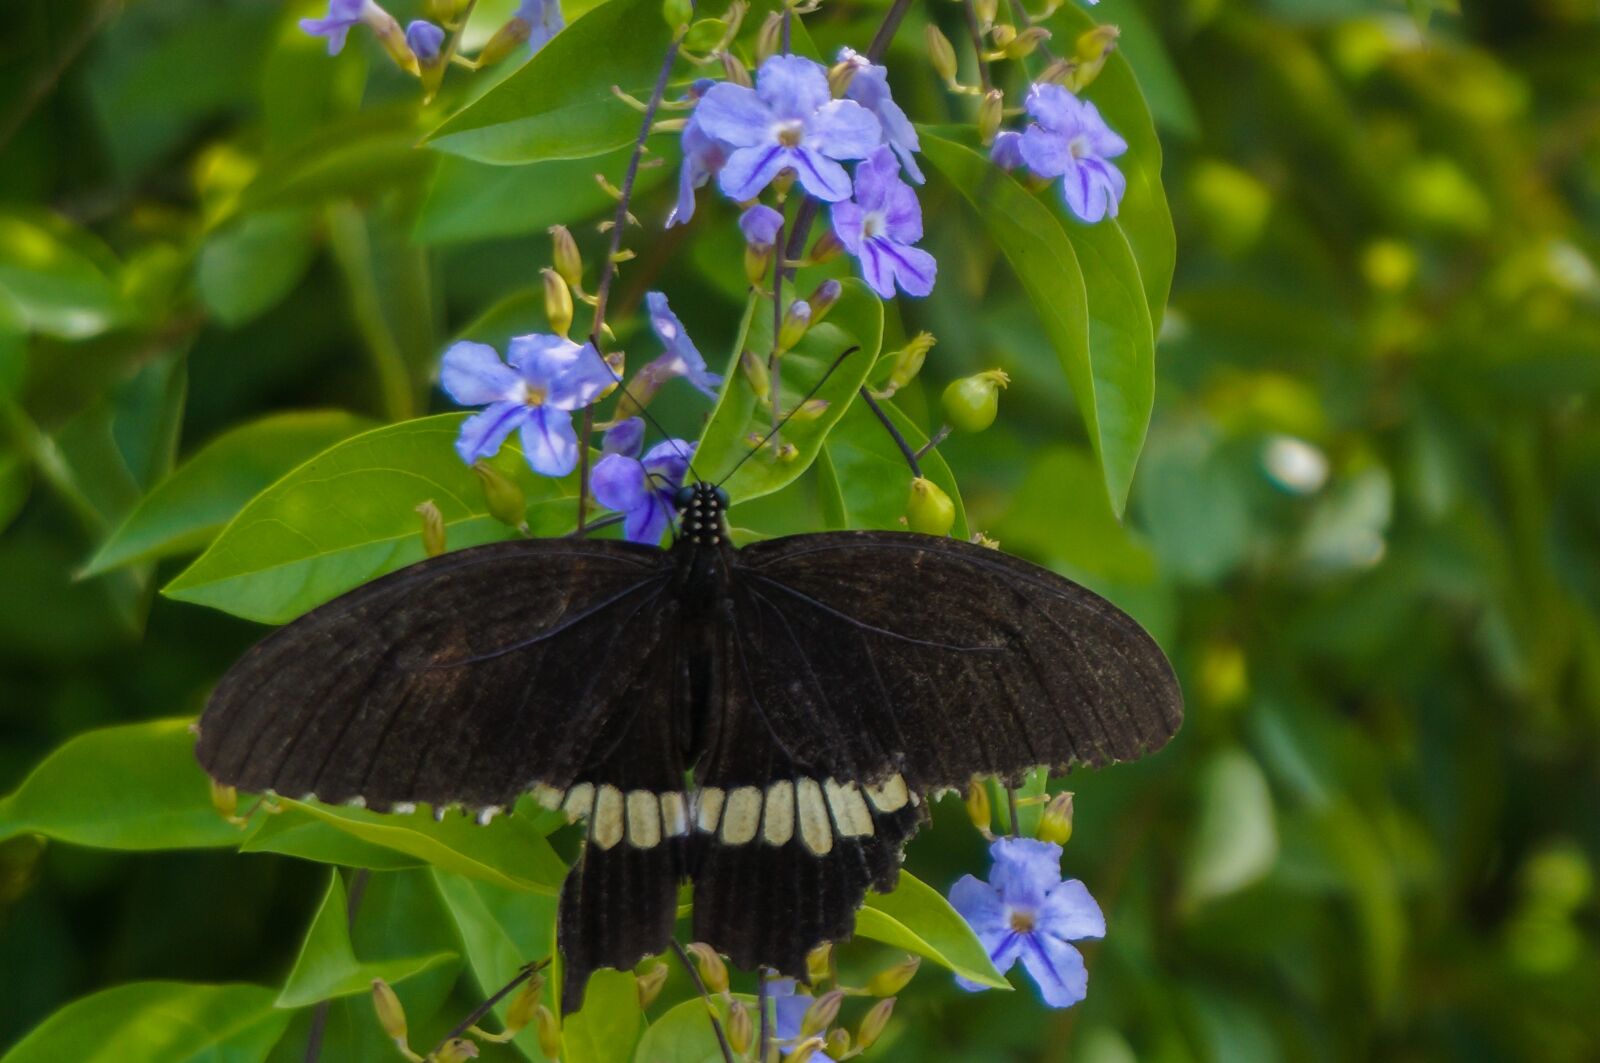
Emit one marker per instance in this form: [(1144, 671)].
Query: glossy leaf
[(916, 918), (349, 515), (136, 786), (186, 510), (870, 476), (684, 1035), (560, 104), (856, 321), (308, 838), (608, 1026), (248, 267), (50, 282), (158, 1022)]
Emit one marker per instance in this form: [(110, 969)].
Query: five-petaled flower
[(1025, 911), (640, 488), (880, 225), (342, 15), (681, 357), (548, 377), (1070, 140), (787, 122), (869, 86)]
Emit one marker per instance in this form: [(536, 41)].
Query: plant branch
[(1025, 22), (711, 1010), (528, 971), (894, 433), (976, 33), (764, 1038)]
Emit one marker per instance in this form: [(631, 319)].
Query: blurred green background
[(1366, 525)]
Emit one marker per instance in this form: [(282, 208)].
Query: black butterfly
[(765, 721)]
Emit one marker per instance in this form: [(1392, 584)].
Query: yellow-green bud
[(786, 452), (929, 510), (734, 70), (444, 12), (985, 10), (507, 39), (796, 320), (941, 53), (557, 302), (757, 261), (676, 13), (456, 1050), (549, 1030), (826, 248), (839, 77), (504, 496), (741, 1029), (432, 528), (820, 1015), (890, 980), (978, 806), (650, 983), (523, 1006), (1092, 50), (805, 1050), (1024, 43), (1055, 825), (225, 799), (754, 368), (908, 362), (823, 299), (705, 35), (713, 971), (808, 410), (1003, 35), (391, 36), (874, 1023), (769, 38), (391, 1016), (564, 253), (819, 963), (990, 113), (971, 403), (838, 1041)]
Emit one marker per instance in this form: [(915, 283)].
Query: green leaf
[(247, 268), (502, 930), (608, 1026), (1140, 44), (560, 104), (185, 511), (856, 320), (871, 476), (50, 282), (309, 838), (354, 156), (349, 515), (327, 966), (509, 851), (1085, 286), (916, 918), (158, 1022), (1059, 516), (136, 786), (1236, 840), (684, 1035)]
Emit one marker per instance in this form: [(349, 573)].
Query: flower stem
[(711, 1010), (1025, 22), (528, 971), (976, 33), (764, 1039), (894, 433), (352, 251)]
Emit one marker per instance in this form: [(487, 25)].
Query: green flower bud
[(713, 971), (819, 963), (677, 13), (1003, 35), (823, 299), (741, 1029), (929, 510), (391, 1016), (549, 1029), (971, 403), (1024, 43), (838, 1042), (941, 53), (874, 1023), (734, 69), (506, 501), (820, 1015), (754, 368), (523, 1006), (1092, 50), (908, 363), (225, 799), (796, 320), (826, 248), (650, 983), (890, 980), (507, 39), (432, 528), (809, 410), (769, 38), (564, 253), (839, 77), (1055, 825), (557, 302), (979, 809), (457, 1050), (990, 112)]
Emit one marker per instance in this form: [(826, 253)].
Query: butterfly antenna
[(837, 362), (642, 410)]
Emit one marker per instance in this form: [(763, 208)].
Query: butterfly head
[(700, 507)]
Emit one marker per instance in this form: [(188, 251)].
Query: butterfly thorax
[(702, 548)]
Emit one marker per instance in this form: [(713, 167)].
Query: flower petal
[(667, 463), (1025, 870), (1071, 914), (1057, 109), (482, 434), (847, 222), (902, 213), (568, 376), (914, 269), (792, 86), (473, 374), (820, 175), (1007, 150), (749, 170), (648, 522), (1046, 153), (735, 115), (843, 129), (619, 483), (1058, 969), (877, 268), (1105, 142), (980, 905), (626, 437), (548, 441), (876, 178), (760, 225)]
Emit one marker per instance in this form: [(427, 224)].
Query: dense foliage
[(1363, 522)]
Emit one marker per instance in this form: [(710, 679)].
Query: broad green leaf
[(309, 838), (246, 268), (1059, 516), (349, 515), (683, 1034), (508, 852), (608, 1026), (1084, 285), (136, 786), (16, 483), (560, 104), (871, 476), (502, 930), (351, 157), (53, 286), (187, 509), (856, 321), (1236, 839), (916, 918), (327, 966), (158, 1022), (1161, 84)]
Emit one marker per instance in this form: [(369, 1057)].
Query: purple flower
[(425, 40), (870, 88), (787, 122), (1007, 151), (760, 225), (342, 14), (549, 376), (544, 20), (681, 357), (640, 488), (1025, 911), (703, 156), (1072, 141), (880, 226), (790, 1008)]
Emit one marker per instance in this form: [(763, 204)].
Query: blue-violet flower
[(869, 86), (425, 40), (641, 489), (880, 225), (544, 21), (342, 15), (703, 156), (548, 377), (681, 357), (790, 1007), (1072, 141), (1025, 911), (787, 122)]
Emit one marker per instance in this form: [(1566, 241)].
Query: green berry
[(929, 510), (971, 403)]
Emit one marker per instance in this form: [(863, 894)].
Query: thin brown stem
[(764, 1038), (1025, 22), (527, 972), (975, 31), (711, 1010), (774, 368), (894, 433)]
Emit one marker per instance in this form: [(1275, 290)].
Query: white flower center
[(1078, 147), (526, 394), (789, 133), (874, 223)]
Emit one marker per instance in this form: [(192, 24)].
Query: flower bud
[(929, 510), (941, 53), (444, 12), (1092, 51), (890, 980), (741, 1029), (557, 302), (734, 70), (549, 1030), (990, 113), (391, 36), (650, 983), (754, 368), (819, 963), (391, 1016), (769, 38), (564, 253), (805, 1050), (456, 1050), (1024, 43), (985, 10), (971, 403), (1003, 36), (908, 363), (524, 1006), (796, 320), (507, 39), (823, 299), (427, 43), (713, 971), (840, 75), (761, 226), (786, 452), (432, 528), (1055, 825), (820, 1015), (677, 14), (874, 1023), (978, 806), (225, 799), (507, 504), (826, 248), (808, 410), (838, 1042)]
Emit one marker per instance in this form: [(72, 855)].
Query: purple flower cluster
[(790, 123), (1068, 139)]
